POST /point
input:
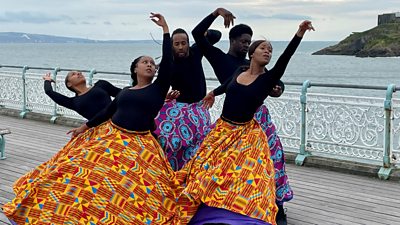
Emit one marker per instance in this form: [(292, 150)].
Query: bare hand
[(48, 77), (76, 131), (158, 19), (304, 26), (227, 15), (173, 94), (208, 100)]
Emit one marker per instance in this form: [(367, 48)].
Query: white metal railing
[(354, 128)]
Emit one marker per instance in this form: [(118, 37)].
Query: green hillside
[(380, 41)]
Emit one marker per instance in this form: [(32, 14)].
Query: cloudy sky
[(128, 19)]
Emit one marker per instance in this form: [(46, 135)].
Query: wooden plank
[(352, 213), (352, 180), (3, 219)]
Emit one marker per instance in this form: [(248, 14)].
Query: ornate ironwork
[(10, 89), (345, 125), (285, 114), (339, 126)]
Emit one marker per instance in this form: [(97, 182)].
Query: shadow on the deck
[(321, 197)]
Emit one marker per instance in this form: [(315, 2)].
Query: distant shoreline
[(20, 38)]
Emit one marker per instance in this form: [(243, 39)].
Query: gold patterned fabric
[(105, 176), (232, 170)]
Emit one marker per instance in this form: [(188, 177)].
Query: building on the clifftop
[(389, 18)]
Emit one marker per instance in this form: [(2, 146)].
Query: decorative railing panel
[(10, 89), (347, 127), (36, 99), (285, 113)]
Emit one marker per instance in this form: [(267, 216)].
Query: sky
[(276, 20)]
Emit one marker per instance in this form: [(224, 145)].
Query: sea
[(117, 57)]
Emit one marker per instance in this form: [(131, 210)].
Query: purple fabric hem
[(206, 214)]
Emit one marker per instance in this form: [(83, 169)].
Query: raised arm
[(55, 96), (164, 73), (199, 31), (213, 36), (280, 66)]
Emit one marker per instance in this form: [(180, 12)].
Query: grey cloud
[(107, 23), (87, 23), (290, 17), (33, 17), (128, 24), (278, 16)]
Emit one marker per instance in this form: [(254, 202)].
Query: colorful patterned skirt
[(181, 128), (284, 192), (106, 176), (232, 170)]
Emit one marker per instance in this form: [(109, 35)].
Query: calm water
[(303, 65)]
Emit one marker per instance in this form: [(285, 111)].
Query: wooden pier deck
[(321, 196)]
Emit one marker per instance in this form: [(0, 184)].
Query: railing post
[(2, 147), (24, 110), (91, 73), (303, 129), (386, 169), (54, 115)]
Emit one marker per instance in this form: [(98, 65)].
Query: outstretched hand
[(48, 77), (173, 94), (76, 131), (227, 15), (208, 100), (158, 19), (303, 27)]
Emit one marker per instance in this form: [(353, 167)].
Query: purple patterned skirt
[(181, 128), (284, 192)]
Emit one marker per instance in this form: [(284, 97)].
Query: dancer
[(87, 100), (182, 123), (232, 175), (224, 65), (117, 177)]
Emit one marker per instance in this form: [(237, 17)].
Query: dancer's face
[(75, 78), (241, 44), (263, 53), (276, 91), (146, 67), (180, 45)]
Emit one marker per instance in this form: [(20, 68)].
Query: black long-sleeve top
[(242, 101), (88, 104), (187, 72), (135, 109), (224, 64)]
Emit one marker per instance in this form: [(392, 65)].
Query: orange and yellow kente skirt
[(232, 170), (107, 175)]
